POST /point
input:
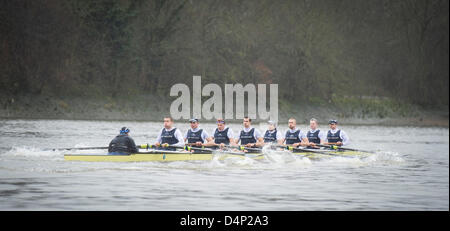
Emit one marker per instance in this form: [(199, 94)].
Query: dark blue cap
[(193, 120), (332, 122)]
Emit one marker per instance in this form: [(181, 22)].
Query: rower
[(336, 136), (169, 135), (250, 137), (294, 136), (196, 136), (122, 144), (272, 136), (314, 135), (222, 135)]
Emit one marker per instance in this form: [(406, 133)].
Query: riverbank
[(154, 108)]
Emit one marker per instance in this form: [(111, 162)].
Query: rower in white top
[(169, 135), (272, 135), (336, 136), (315, 136), (196, 136), (223, 135), (295, 136), (250, 137)]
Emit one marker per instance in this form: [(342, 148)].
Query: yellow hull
[(163, 157)]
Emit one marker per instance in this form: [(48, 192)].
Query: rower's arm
[(233, 141), (259, 142), (179, 137), (205, 136), (345, 139), (210, 142), (325, 141), (304, 142), (259, 138), (322, 137), (279, 138), (158, 140)]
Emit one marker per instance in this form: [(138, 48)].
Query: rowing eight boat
[(160, 155)]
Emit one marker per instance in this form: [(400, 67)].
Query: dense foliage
[(316, 50)]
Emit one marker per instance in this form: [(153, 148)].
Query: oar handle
[(335, 147), (243, 147), (288, 147), (189, 148), (186, 147), (202, 148), (147, 146)]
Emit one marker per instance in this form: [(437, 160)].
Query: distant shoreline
[(394, 122), (152, 109)]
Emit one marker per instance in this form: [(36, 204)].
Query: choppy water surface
[(409, 172)]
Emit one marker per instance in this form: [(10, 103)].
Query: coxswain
[(336, 136), (169, 135), (122, 144), (196, 136), (294, 136)]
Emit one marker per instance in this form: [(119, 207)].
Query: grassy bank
[(348, 110)]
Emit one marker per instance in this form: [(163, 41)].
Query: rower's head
[(247, 122), (333, 124), (271, 125), (220, 124), (313, 124), (292, 123), (124, 131), (194, 123), (168, 122)]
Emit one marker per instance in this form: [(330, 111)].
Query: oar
[(189, 148), (240, 147), (202, 148), (338, 147), (240, 154), (143, 146), (148, 146), (83, 148), (291, 148), (159, 151)]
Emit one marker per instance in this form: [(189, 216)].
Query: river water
[(410, 171)]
